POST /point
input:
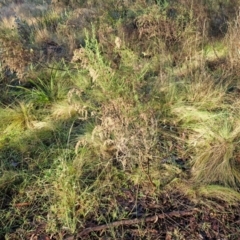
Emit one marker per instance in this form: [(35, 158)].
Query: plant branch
[(135, 221)]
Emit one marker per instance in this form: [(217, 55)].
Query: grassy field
[(119, 119)]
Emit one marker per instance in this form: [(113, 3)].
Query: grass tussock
[(118, 114)]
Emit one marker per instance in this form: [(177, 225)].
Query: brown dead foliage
[(166, 216)]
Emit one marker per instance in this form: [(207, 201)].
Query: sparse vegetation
[(119, 119)]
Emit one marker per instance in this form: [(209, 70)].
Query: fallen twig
[(23, 204), (135, 221)]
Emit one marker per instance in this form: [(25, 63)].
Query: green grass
[(115, 114)]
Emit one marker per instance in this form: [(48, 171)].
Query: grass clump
[(216, 154)]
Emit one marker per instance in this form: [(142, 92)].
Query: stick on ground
[(135, 221)]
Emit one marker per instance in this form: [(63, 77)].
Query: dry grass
[(216, 154)]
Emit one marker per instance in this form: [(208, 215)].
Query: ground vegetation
[(119, 119)]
